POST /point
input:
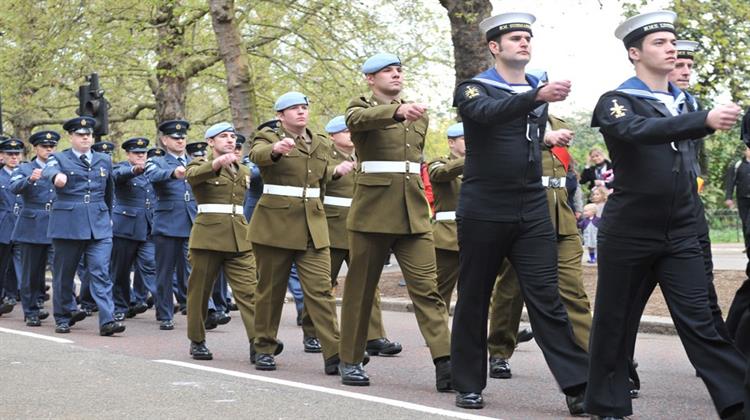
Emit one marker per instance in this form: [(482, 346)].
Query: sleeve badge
[(617, 110), (471, 92)]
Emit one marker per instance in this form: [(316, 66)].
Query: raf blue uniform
[(132, 218), (30, 232), (10, 205), (81, 225), (174, 213)]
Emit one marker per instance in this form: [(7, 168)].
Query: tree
[(470, 54), (232, 51)]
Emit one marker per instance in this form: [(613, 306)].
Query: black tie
[(181, 160), (85, 160)]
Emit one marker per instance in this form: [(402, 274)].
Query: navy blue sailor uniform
[(689, 149), (649, 227), (503, 128), (174, 213), (10, 206), (30, 232), (81, 226), (131, 226)]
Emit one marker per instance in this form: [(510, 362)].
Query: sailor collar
[(493, 78)]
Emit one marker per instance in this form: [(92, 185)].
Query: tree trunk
[(232, 51), (171, 88), (470, 52)]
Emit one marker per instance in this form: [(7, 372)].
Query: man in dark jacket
[(504, 112), (649, 223)]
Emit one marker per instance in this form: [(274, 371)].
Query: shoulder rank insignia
[(617, 110), (471, 92)]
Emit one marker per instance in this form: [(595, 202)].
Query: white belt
[(220, 208), (337, 201), (445, 215), (291, 191), (385, 166), (553, 182)]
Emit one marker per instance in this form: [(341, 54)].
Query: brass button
[(407, 176)]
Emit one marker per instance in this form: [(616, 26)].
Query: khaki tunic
[(378, 137), (300, 220), (446, 175), (337, 215)]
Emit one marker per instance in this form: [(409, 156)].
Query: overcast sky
[(574, 40)]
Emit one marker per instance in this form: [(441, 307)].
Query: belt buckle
[(304, 192), (187, 196), (87, 198), (47, 206), (148, 204), (16, 209), (554, 182), (406, 164)]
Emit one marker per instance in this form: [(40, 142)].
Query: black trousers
[(648, 286), (738, 318), (124, 253), (8, 279), (678, 266), (532, 249), (743, 207)]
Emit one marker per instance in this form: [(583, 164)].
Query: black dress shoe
[(384, 347), (606, 418), (443, 375), (279, 349), (575, 403), (222, 318), (499, 368), (212, 321), (299, 319), (183, 310), (472, 400), (119, 316), (265, 361), (62, 328), (140, 308), (199, 351), (77, 316), (312, 345), (33, 321), (150, 301), (331, 365), (110, 328), (166, 325), (46, 297), (5, 308), (43, 314), (353, 374), (524, 335), (232, 306)]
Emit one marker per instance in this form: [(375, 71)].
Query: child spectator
[(599, 197), (589, 225)]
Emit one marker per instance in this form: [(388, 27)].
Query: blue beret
[(380, 61), (196, 149), (290, 99), (80, 125), (455, 130), (218, 128), (11, 145), (44, 138), (103, 147), (336, 125), (155, 151), (136, 144), (175, 128)]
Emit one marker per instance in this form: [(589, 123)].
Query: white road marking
[(34, 335), (331, 391)]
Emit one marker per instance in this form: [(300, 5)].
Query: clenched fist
[(554, 91), (283, 146), (723, 117), (411, 112), (60, 180)]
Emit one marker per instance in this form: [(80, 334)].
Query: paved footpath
[(148, 373)]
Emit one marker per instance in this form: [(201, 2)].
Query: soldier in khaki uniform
[(219, 238), (336, 202), (389, 211), (502, 338), (289, 225)]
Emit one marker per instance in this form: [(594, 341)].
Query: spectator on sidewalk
[(738, 178), (598, 171), (589, 225)]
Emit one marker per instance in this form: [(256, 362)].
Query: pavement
[(147, 373)]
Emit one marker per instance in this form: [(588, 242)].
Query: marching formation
[(175, 228)]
